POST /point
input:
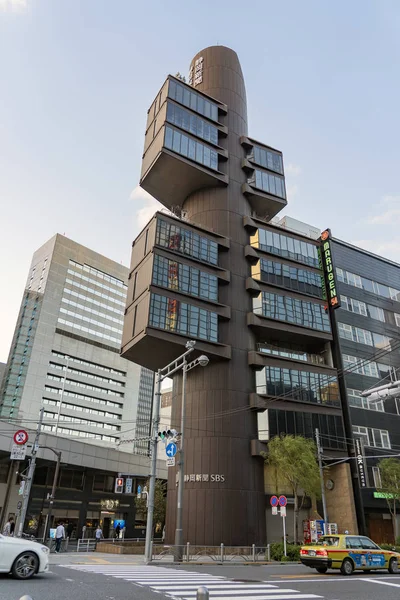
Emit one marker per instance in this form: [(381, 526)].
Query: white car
[(22, 558)]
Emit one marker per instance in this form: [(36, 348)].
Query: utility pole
[(179, 506), (53, 491), (321, 473), (152, 484), (31, 472)]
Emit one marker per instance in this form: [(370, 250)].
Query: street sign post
[(171, 461), (20, 437), (171, 449), (274, 510), (281, 502), (283, 511), (274, 501), (18, 452)]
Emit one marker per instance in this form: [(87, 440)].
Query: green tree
[(294, 459), (160, 503), (390, 484)]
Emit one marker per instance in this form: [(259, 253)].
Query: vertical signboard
[(325, 255), (362, 471)]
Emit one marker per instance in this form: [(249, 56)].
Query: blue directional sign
[(139, 489), (171, 449)]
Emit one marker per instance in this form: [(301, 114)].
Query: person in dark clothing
[(70, 528), (117, 531), (12, 528)]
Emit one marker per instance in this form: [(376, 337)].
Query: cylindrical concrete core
[(224, 500)]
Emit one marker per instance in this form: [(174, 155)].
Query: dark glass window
[(305, 386), (181, 144), (183, 95), (272, 184), (305, 425), (186, 242), (292, 310), (177, 276), (191, 123), (292, 278), (103, 483), (180, 317), (285, 246), (69, 478)]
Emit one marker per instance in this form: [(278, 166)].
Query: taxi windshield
[(328, 540)]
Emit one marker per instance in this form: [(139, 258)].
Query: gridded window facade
[(183, 278), (292, 310), (304, 386), (285, 246), (192, 123), (292, 278), (192, 100), (368, 285), (87, 363), (190, 148), (358, 401), (365, 367), (379, 438), (361, 308), (81, 434), (298, 423), (292, 352), (272, 184), (186, 242), (363, 336), (85, 397), (179, 317), (266, 158)]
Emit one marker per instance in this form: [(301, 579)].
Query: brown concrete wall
[(339, 501)]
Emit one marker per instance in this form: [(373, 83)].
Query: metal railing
[(221, 554)]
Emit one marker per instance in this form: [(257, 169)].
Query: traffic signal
[(168, 434), (119, 485)]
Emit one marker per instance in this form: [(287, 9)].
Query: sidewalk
[(95, 558)]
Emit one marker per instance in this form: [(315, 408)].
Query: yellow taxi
[(347, 553)]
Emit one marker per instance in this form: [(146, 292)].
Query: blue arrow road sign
[(139, 489), (171, 450)]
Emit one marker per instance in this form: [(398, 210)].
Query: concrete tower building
[(207, 274)]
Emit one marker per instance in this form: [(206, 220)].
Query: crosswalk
[(181, 584)]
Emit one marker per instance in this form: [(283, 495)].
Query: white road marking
[(381, 582)]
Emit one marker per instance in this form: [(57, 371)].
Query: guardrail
[(220, 554)]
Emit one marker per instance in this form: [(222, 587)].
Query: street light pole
[(179, 504)]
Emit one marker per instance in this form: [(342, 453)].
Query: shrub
[(292, 551)]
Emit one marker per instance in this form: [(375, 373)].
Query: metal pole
[(53, 493), (202, 593), (31, 472), (152, 485), (321, 474), (62, 397), (179, 505), (284, 535)]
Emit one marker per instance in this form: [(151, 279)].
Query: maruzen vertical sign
[(326, 262)]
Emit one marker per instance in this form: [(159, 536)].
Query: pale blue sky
[(77, 77)]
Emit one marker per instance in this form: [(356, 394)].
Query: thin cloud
[(291, 191), (387, 249), (149, 206), (292, 169), (13, 5), (389, 213)]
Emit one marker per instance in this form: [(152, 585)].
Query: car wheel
[(347, 567), (393, 566), (25, 565), (321, 569)]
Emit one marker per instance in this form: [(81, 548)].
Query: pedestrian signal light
[(119, 485)]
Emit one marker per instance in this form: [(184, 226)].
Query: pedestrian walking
[(60, 535), (99, 534), (8, 530), (70, 528), (117, 531)]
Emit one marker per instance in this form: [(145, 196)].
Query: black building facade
[(369, 334)]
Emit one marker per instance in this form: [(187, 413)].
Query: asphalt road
[(125, 578)]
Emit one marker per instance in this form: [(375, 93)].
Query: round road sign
[(274, 501), (282, 501), (20, 437)]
